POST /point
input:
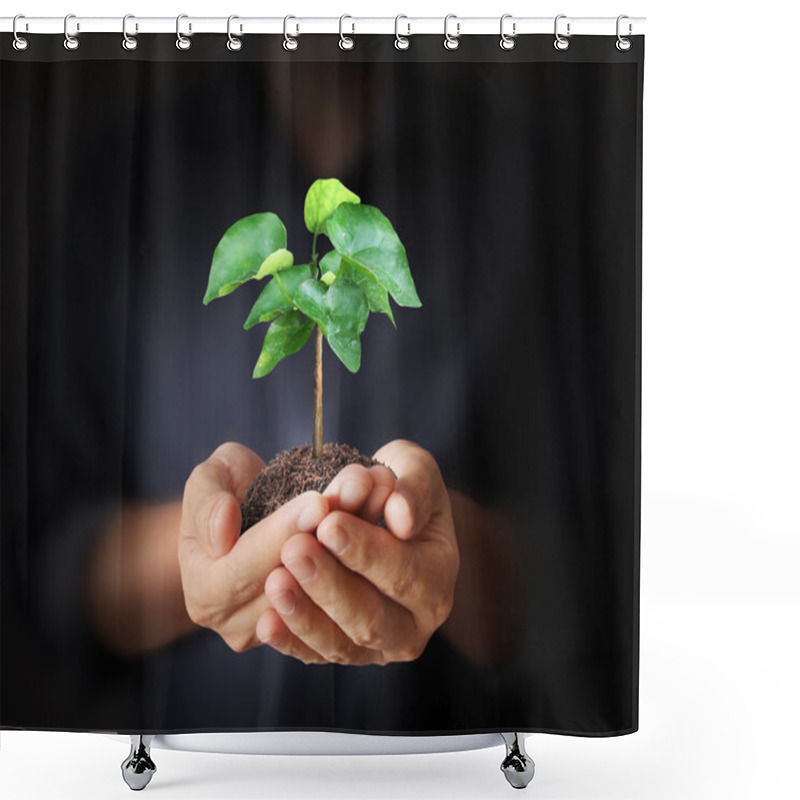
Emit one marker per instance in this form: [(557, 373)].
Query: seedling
[(331, 296)]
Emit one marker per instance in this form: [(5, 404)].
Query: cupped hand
[(359, 593), (222, 573)]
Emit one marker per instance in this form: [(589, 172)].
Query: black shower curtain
[(513, 180)]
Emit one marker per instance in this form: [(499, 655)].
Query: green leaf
[(241, 252), (377, 296), (365, 237), (275, 262), (310, 299), (322, 199), (286, 335), (348, 311), (271, 302)]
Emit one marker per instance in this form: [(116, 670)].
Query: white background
[(720, 703)]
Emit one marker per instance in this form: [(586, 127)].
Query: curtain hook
[(401, 42), (289, 42), (182, 42), (234, 43), (451, 42), (561, 42), (623, 44), (346, 42), (507, 42), (129, 42), (71, 42), (20, 42)]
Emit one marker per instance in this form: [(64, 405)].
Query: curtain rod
[(581, 26)]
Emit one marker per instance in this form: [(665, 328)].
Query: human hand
[(222, 573), (359, 593)]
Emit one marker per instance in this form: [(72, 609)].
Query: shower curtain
[(484, 575)]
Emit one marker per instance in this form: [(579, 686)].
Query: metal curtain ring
[(182, 42), (289, 42), (71, 42), (401, 42), (346, 42), (129, 42), (234, 43), (561, 42), (451, 42), (622, 43), (20, 42), (507, 42)]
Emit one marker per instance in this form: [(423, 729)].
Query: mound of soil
[(293, 472)]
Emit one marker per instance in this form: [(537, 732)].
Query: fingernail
[(351, 492), (310, 517), (337, 539), (284, 603), (213, 527), (303, 569)]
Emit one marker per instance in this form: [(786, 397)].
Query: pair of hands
[(354, 593)]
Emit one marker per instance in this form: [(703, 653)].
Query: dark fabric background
[(513, 179)]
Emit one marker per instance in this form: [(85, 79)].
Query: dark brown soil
[(293, 472)]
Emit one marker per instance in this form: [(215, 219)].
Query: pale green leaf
[(275, 262), (322, 199)]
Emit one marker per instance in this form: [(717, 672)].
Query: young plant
[(331, 296)]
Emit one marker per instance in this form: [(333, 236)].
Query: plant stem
[(317, 448), (283, 291)]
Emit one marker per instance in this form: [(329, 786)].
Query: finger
[(272, 630), (350, 488), (242, 466), (418, 575), (408, 508), (239, 574), (368, 618), (211, 515), (382, 486), (311, 625)]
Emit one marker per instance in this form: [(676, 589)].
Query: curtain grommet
[(451, 42), (401, 42), (561, 43), (623, 44), (20, 43), (129, 42), (507, 42), (182, 42), (346, 42), (234, 43), (290, 42), (71, 42)]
